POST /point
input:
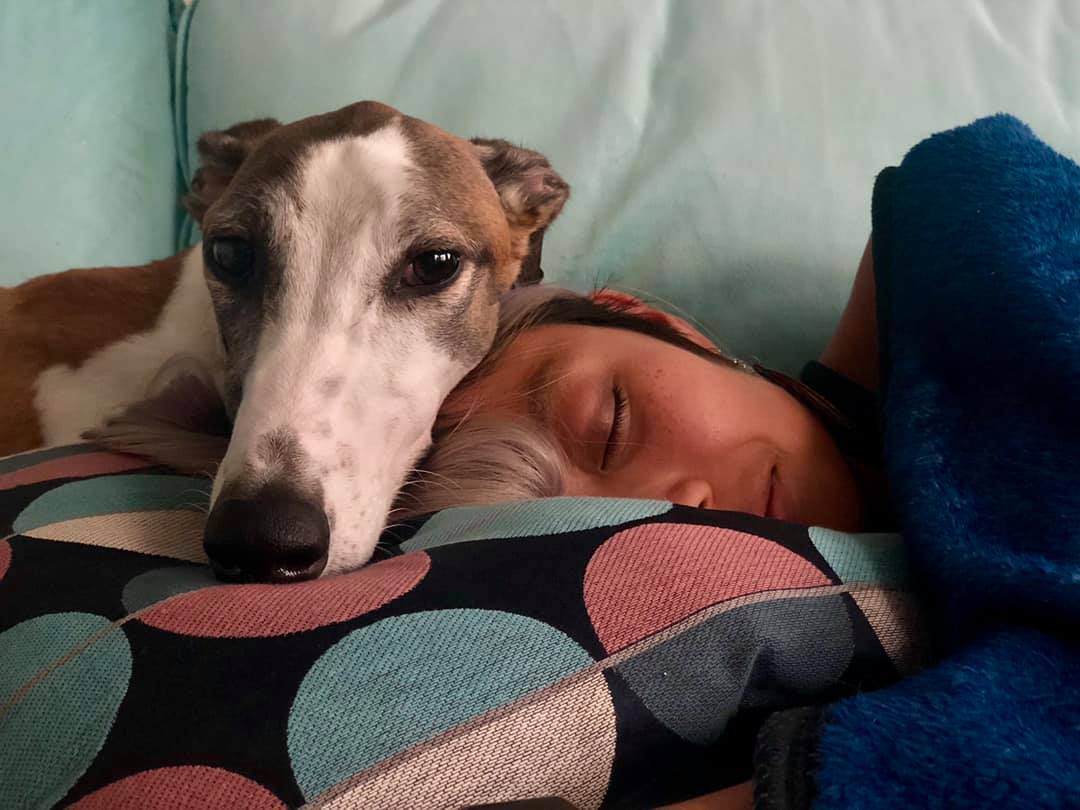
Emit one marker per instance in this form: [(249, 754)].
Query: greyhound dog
[(348, 277)]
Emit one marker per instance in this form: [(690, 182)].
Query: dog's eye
[(431, 268), (231, 259)]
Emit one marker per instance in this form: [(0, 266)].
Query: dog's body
[(348, 278), (77, 347)]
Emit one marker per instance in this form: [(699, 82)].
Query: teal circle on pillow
[(875, 558), (153, 586), (64, 677), (406, 679), (772, 654), (114, 493), (541, 517)]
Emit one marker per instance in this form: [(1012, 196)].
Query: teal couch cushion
[(87, 155), (721, 154)]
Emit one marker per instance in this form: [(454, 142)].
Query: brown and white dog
[(348, 277)]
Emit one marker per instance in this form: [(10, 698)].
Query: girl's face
[(640, 418)]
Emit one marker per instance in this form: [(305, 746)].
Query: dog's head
[(355, 261)]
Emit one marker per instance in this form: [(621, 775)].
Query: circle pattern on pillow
[(516, 754), (649, 577), (149, 513), (33, 458), (542, 517), (580, 649), (62, 679), (256, 611), (191, 787), (774, 653), (111, 495), (385, 687), (82, 465), (159, 584)]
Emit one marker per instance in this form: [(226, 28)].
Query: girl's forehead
[(552, 339), (546, 355), (533, 360), (529, 357), (572, 338)]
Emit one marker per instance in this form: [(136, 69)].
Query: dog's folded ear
[(220, 154), (532, 195), (182, 423)]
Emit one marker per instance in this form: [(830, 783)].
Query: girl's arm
[(737, 797), (853, 349)]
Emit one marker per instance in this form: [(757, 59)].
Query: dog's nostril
[(266, 539), (226, 562), (301, 559)]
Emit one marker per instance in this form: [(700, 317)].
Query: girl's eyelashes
[(619, 423)]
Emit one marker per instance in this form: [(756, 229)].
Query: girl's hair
[(480, 459)]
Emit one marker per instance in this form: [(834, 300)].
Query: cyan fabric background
[(721, 153)]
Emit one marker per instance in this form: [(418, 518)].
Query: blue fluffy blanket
[(977, 261)]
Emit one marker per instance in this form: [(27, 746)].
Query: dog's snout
[(266, 539)]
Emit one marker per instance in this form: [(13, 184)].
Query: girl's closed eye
[(619, 428)]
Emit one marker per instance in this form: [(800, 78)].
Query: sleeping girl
[(945, 406)]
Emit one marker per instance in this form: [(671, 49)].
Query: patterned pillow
[(607, 652)]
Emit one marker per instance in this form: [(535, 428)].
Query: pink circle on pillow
[(650, 577), (5, 557), (258, 611), (82, 465), (189, 787)]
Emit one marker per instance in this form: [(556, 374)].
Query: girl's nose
[(692, 492)]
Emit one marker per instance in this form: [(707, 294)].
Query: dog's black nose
[(266, 540)]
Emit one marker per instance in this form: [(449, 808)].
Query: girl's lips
[(773, 505)]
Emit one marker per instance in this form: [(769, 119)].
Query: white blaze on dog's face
[(355, 261)]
